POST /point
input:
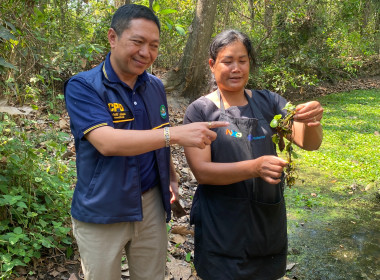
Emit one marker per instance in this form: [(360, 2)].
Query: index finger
[(216, 124), (281, 161)]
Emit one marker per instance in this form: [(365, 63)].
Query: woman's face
[(231, 68)]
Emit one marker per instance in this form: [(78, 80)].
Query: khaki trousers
[(145, 243)]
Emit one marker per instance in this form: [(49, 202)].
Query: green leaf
[(188, 257), (169, 21), (168, 11), (43, 223), (10, 25), (156, 6), (53, 117), (6, 258), (180, 30), (37, 12), (6, 64), (289, 106), (6, 34), (37, 254), (17, 262), (274, 123), (10, 199), (31, 214), (18, 230), (275, 139), (168, 25), (14, 239), (46, 243), (69, 252), (22, 204)]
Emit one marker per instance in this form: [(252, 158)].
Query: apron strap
[(251, 101), (221, 106)]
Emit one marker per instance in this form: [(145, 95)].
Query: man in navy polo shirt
[(126, 179)]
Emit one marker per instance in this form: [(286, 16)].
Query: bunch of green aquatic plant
[(283, 126)]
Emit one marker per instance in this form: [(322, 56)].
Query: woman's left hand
[(309, 113), (174, 190)]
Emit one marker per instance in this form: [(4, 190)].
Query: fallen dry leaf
[(177, 239), (73, 277), (179, 270), (290, 266), (177, 209), (182, 230)]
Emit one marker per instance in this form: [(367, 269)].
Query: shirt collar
[(111, 76)]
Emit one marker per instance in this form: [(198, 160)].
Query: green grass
[(350, 150)]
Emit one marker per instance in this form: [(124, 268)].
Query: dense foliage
[(44, 42), (35, 191), (298, 43)]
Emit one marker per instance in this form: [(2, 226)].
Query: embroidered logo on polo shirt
[(119, 114), (163, 111)]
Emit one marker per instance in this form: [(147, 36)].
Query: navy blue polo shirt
[(147, 162), (108, 188)]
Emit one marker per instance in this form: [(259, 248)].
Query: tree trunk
[(252, 12), (367, 13), (268, 15), (227, 9), (377, 27), (119, 3), (192, 76), (151, 4)]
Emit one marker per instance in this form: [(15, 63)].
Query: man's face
[(135, 50)]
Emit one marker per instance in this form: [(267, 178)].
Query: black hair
[(123, 16), (228, 37)]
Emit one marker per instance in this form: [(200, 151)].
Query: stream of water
[(345, 247)]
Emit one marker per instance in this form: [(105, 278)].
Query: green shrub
[(35, 192)]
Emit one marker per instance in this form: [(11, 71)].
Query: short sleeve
[(270, 103), (279, 104), (86, 109), (194, 113)]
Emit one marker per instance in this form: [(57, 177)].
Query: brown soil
[(328, 88)]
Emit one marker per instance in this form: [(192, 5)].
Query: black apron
[(240, 229)]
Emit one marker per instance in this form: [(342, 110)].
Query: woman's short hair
[(228, 37)]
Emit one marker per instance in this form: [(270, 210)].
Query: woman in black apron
[(238, 208)]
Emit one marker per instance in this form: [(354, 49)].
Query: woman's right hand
[(269, 168)]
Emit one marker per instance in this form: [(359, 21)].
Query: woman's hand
[(174, 190), (269, 168), (309, 113)]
